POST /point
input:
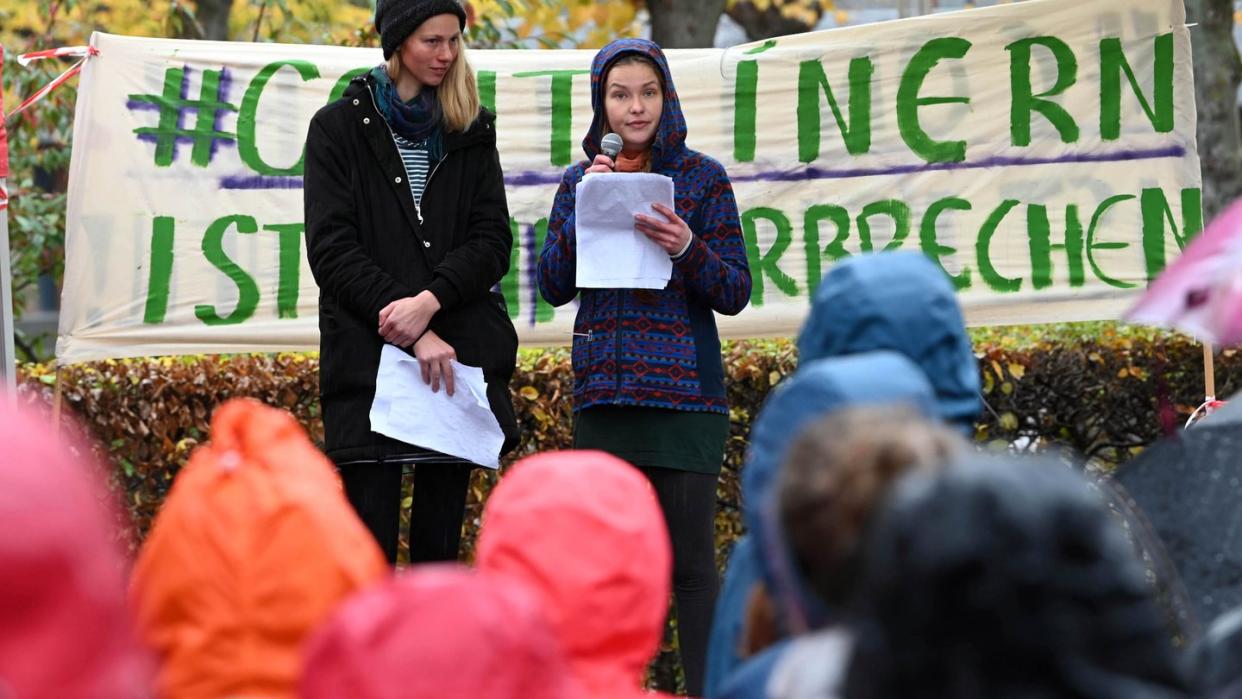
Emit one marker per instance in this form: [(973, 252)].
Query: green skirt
[(655, 437)]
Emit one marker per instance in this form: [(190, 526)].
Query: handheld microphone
[(610, 145)]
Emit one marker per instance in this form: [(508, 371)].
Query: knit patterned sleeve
[(715, 267), (558, 259)]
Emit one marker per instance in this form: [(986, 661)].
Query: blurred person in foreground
[(1216, 659), (437, 632), (834, 478), (893, 301), (253, 548), (816, 389), (65, 630), (1002, 578), (584, 530)]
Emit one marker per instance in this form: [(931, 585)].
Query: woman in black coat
[(407, 233)]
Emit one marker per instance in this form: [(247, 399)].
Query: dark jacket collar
[(481, 132)]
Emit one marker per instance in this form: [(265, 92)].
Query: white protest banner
[(1043, 153)]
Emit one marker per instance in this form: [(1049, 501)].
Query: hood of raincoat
[(66, 628), (899, 301), (585, 531), (813, 391), (439, 631), (670, 139), (255, 546), (951, 554)]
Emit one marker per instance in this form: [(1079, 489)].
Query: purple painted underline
[(815, 173), (535, 178), (259, 182)]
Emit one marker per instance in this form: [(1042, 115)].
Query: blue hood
[(898, 301), (670, 138), (814, 391)]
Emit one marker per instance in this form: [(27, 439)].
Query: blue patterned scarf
[(417, 121)]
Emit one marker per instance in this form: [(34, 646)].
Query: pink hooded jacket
[(439, 631), (65, 631), (584, 529)]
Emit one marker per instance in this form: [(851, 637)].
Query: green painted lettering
[(247, 118), (834, 250), (856, 132), (745, 90), (290, 270), (159, 280), (487, 89), (247, 289), (543, 310), (1156, 213), (1039, 242), (909, 101), (1112, 64), (898, 211), (1024, 101), (1092, 246), (562, 110), (932, 247), (509, 282), (339, 88), (994, 279), (767, 264)]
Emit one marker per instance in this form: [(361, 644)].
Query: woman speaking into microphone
[(648, 376), (407, 231)]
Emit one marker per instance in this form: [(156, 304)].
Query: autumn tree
[(1218, 71)]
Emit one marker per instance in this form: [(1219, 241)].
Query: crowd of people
[(885, 557)]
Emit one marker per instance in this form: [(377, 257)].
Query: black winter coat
[(369, 245)]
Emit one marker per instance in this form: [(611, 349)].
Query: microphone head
[(610, 145)]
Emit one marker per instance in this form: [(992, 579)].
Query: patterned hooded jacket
[(653, 348)]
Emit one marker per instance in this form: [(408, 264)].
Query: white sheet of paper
[(611, 254), (406, 409)]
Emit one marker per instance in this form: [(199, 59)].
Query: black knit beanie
[(397, 19)]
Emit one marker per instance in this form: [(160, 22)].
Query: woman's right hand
[(601, 164), (435, 358)]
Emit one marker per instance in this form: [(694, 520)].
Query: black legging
[(374, 489), (689, 503)]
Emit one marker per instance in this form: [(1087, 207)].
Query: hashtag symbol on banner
[(173, 106)]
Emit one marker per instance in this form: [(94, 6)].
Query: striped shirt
[(415, 158)]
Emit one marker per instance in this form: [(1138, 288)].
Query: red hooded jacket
[(440, 631), (584, 529)]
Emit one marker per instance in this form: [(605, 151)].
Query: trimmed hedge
[(1105, 396)]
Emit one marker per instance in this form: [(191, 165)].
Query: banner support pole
[(8, 357), (1209, 373)]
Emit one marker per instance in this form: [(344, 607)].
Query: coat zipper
[(427, 185)]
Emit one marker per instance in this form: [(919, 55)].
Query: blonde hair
[(458, 93)]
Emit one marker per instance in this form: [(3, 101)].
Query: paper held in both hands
[(406, 409), (611, 253)]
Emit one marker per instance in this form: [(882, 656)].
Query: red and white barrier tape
[(85, 52)]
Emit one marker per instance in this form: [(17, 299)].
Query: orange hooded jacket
[(255, 546), (584, 529)]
